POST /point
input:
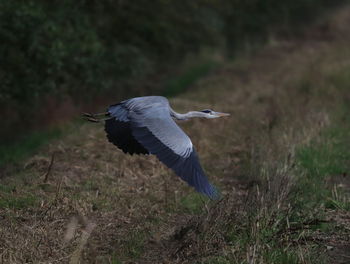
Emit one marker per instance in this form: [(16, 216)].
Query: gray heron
[(145, 125)]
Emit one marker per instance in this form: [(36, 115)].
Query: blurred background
[(61, 57)]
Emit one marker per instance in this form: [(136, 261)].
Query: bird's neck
[(187, 115)]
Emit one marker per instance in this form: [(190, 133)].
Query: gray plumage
[(145, 125)]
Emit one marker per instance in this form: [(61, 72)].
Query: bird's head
[(212, 114)]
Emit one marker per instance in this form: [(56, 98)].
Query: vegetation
[(15, 152), (323, 161), (56, 50), (281, 162), (193, 73)]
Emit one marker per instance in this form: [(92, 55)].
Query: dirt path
[(101, 206)]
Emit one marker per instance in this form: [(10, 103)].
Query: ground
[(81, 200)]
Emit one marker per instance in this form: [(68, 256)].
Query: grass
[(321, 166), (324, 161), (190, 76), (16, 202), (133, 246), (193, 203), (280, 224), (16, 152), (279, 161), (15, 194)]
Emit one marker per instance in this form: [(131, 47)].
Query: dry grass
[(94, 204)]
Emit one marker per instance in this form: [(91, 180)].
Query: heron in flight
[(145, 125)]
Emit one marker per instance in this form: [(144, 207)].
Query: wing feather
[(155, 130), (119, 133), (187, 168)]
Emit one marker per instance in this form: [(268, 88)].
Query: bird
[(146, 125)]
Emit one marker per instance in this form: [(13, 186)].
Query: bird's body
[(145, 125)]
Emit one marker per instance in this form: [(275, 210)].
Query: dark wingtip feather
[(187, 168), (202, 184), (213, 193), (119, 133)]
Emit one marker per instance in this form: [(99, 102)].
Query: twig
[(49, 168), (58, 189), (165, 190)]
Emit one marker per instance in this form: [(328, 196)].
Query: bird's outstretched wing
[(119, 133), (152, 126)]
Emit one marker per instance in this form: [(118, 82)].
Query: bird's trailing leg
[(96, 117)]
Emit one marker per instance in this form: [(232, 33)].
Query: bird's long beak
[(219, 114)]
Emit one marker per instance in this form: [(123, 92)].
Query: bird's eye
[(208, 111)]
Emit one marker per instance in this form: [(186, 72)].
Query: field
[(281, 161)]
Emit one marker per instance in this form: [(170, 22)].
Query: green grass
[(340, 79), (16, 193), (329, 157), (134, 245), (7, 188), (264, 233), (271, 241), (182, 82), (325, 158), (217, 260), (322, 159), (14, 152), (17, 202), (114, 260), (281, 256), (193, 203)]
